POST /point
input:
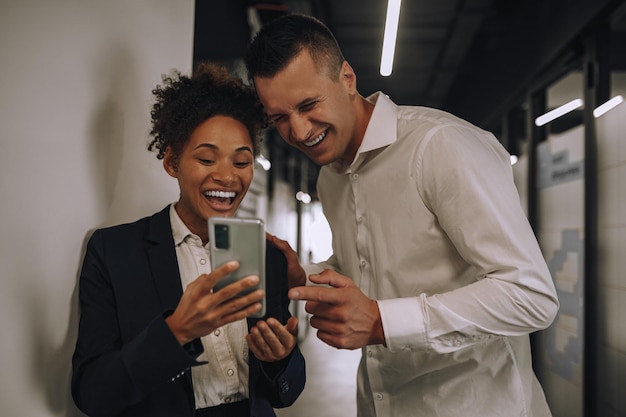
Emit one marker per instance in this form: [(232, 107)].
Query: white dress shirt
[(225, 378), (427, 221)]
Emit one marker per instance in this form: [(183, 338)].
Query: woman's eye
[(206, 161), (242, 164)]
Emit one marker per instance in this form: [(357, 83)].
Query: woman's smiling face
[(214, 171)]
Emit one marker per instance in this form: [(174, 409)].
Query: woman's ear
[(170, 162)]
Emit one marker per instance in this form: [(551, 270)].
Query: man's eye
[(308, 106), (276, 119)]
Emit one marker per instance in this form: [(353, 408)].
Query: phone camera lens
[(221, 236)]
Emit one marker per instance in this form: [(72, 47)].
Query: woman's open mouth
[(220, 200)]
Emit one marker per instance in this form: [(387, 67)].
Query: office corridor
[(330, 390)]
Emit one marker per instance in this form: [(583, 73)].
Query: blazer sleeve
[(282, 382), (111, 370)]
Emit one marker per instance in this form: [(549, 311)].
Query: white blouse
[(224, 379)]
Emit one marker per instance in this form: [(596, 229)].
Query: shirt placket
[(364, 279), (380, 397), (218, 338)]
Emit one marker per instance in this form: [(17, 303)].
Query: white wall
[(75, 97)]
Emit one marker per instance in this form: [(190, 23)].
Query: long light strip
[(389, 41), (558, 112), (603, 108)]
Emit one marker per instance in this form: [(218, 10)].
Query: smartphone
[(243, 240)]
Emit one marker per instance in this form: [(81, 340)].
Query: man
[(435, 274)]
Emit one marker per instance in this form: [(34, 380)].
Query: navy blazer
[(127, 362)]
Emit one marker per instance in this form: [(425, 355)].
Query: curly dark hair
[(184, 102)]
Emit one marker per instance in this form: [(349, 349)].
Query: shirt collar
[(180, 231), (381, 129)]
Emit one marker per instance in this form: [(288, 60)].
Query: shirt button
[(378, 396), (370, 353), (228, 400), (217, 332), (360, 219), (355, 176), (202, 261), (230, 372), (363, 263)]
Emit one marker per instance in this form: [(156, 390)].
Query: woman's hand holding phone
[(202, 310)]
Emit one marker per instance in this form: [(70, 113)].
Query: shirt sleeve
[(465, 178), (309, 269)]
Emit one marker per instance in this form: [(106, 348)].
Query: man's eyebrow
[(306, 101), (300, 104)]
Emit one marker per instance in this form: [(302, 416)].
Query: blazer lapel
[(162, 258)]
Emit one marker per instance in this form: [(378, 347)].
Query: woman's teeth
[(220, 194)]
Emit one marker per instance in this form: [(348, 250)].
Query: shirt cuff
[(310, 269), (404, 323)]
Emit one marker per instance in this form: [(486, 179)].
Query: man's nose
[(300, 128)]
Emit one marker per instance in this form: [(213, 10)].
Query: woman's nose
[(224, 175)]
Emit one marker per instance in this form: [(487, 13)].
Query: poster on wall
[(561, 234)]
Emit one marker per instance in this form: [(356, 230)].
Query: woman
[(154, 339)]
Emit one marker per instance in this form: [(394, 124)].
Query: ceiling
[(473, 58), (469, 57), (434, 38)]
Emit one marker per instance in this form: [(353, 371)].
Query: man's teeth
[(316, 140), (220, 194)]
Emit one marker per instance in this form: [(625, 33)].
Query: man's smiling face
[(313, 112)]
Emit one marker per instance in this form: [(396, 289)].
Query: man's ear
[(348, 77), (170, 162)]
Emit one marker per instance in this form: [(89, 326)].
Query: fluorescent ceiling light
[(558, 112), (389, 41), (603, 108), (264, 162)]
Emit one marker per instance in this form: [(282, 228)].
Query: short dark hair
[(184, 102), (282, 39)]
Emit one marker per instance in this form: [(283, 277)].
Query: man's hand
[(295, 273), (200, 310), (270, 341), (344, 317)]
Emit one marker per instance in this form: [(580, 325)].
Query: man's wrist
[(378, 332)]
